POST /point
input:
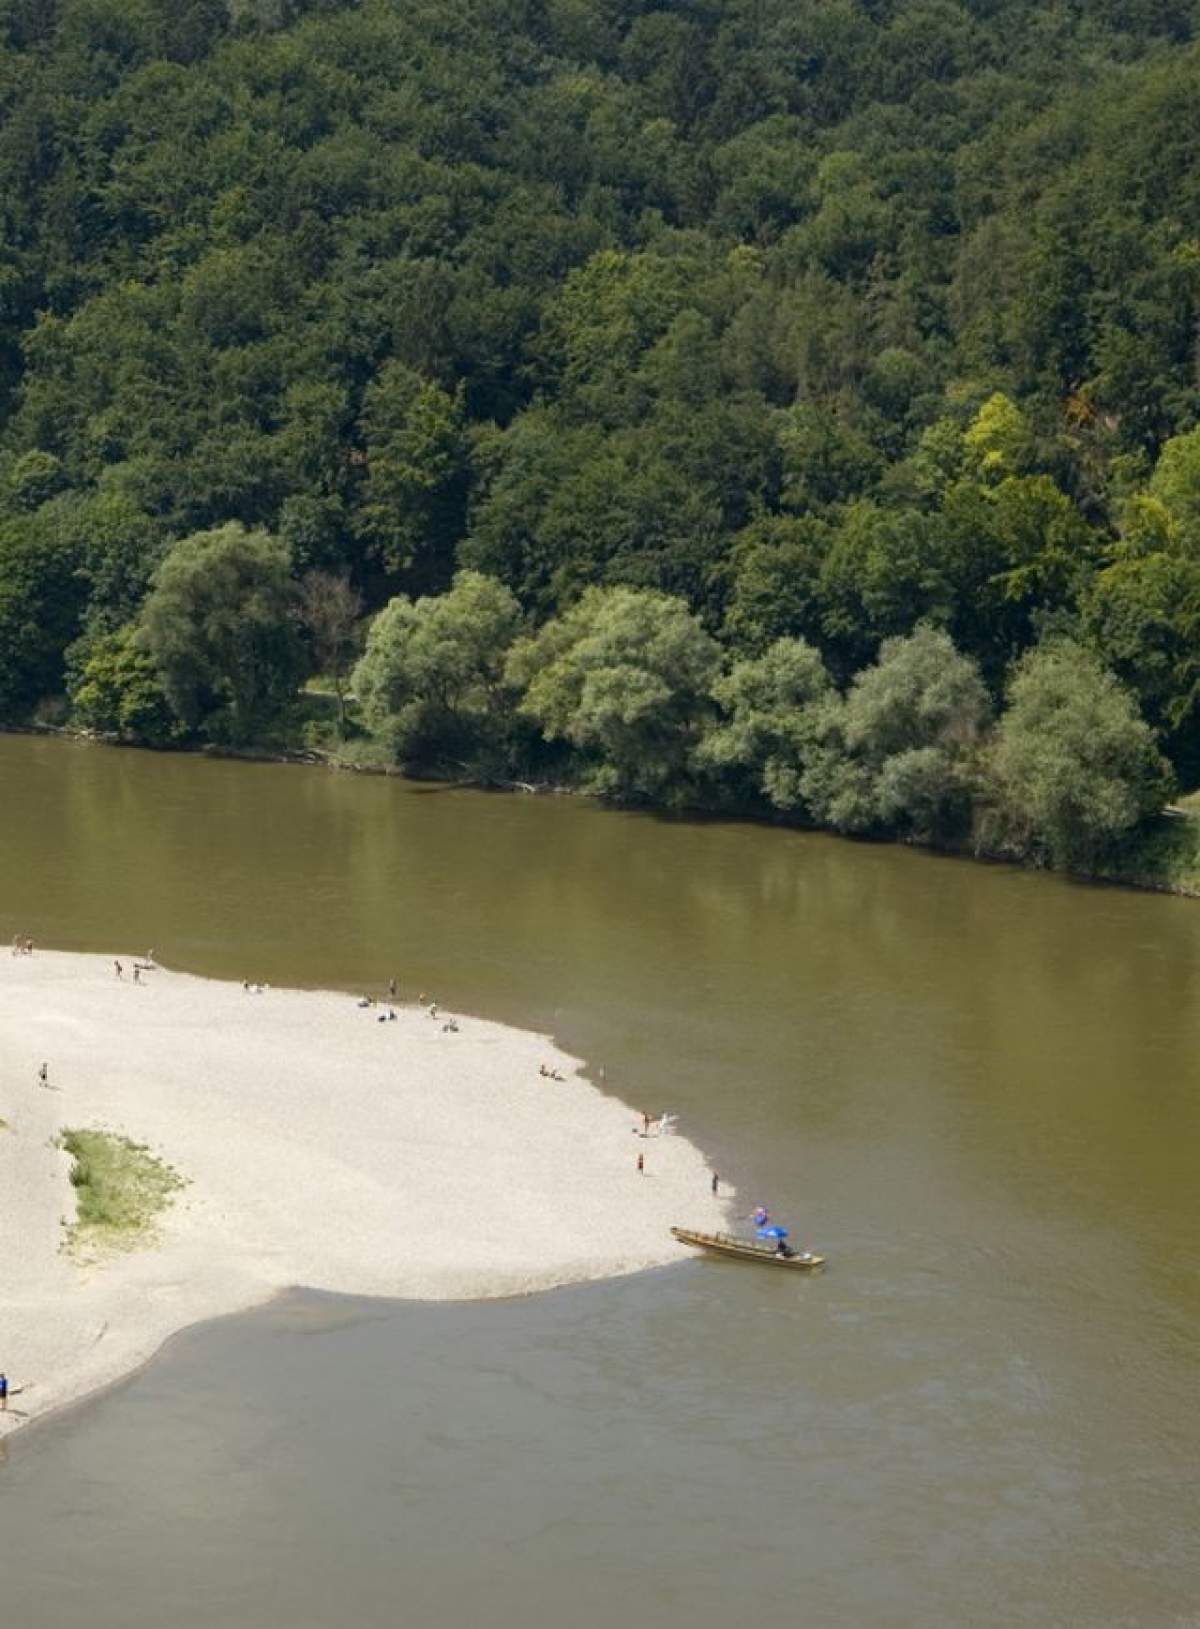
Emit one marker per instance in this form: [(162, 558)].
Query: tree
[(414, 496), (624, 676), (431, 678), (329, 610), (899, 751), (1142, 617), (41, 604), (118, 692), (884, 571), (220, 626), (1176, 485), (775, 565), (767, 705), (1073, 766), (998, 442)]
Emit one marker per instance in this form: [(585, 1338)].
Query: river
[(975, 1088)]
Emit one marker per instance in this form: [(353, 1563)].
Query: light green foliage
[(219, 625), (430, 679), (34, 478), (118, 691), (1073, 767), (121, 1188), (624, 676), (937, 461), (998, 442), (1176, 485), (767, 708), (899, 750)]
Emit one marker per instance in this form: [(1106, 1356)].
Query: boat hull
[(724, 1244)]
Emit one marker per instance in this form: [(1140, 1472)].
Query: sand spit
[(321, 1148)]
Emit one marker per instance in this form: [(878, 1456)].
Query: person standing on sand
[(119, 968), (137, 974), (392, 989), (3, 1393), (44, 1075), (716, 1182), (641, 1165)]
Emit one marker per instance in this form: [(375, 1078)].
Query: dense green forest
[(779, 404)]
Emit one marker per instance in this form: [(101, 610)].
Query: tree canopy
[(769, 321)]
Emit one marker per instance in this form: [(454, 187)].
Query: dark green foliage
[(42, 599), (825, 318), (220, 627)]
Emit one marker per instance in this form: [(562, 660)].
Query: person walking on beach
[(716, 1182), (641, 1165), (137, 974), (44, 1075), (392, 989), (3, 1394), (119, 968)]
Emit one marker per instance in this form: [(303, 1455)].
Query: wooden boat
[(725, 1244)]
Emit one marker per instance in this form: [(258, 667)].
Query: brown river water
[(976, 1089)]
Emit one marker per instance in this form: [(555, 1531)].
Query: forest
[(777, 406)]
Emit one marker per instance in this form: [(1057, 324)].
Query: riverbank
[(319, 1147), (1162, 856)]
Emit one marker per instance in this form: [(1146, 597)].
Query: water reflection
[(975, 1088)]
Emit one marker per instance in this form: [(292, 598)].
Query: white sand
[(321, 1148)]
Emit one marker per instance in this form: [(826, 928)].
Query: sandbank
[(320, 1148)]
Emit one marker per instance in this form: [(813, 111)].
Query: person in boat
[(784, 1249)]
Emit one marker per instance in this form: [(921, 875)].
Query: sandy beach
[(320, 1147)]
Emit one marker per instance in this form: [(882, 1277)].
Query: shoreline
[(1138, 876), (322, 1148)]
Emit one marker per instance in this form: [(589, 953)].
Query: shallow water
[(976, 1089)]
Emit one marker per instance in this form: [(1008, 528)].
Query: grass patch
[(120, 1189)]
